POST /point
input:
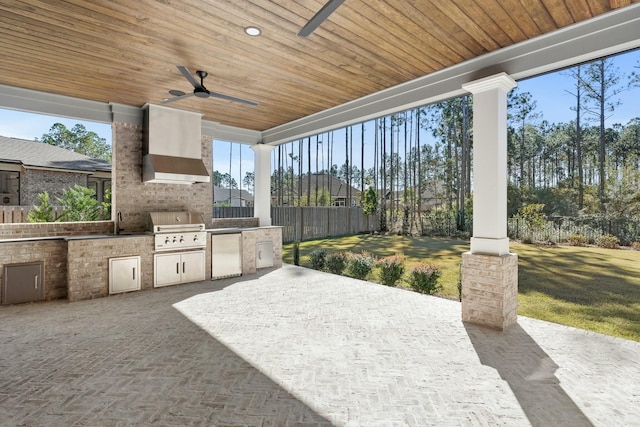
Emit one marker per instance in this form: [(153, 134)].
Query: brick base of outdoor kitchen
[(490, 290)]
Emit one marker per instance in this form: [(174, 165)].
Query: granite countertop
[(68, 238), (107, 236), (31, 239), (232, 230), (229, 230)]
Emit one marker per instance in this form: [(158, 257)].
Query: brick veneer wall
[(252, 237), (490, 289), (50, 229), (135, 199), (88, 264), (54, 255), (35, 181)]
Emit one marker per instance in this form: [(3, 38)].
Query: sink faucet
[(118, 221)]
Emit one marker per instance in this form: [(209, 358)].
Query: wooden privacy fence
[(310, 222), (16, 214)]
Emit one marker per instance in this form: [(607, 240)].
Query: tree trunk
[(419, 168), (383, 168), (601, 151), (309, 171), (579, 145), (317, 172), (362, 164)]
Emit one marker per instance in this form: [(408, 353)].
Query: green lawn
[(589, 288)]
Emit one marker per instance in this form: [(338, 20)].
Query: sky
[(549, 92)]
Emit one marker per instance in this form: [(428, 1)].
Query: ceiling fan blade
[(177, 98), (175, 92), (187, 75), (233, 99), (319, 17)]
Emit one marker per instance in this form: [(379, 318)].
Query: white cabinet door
[(124, 274), (264, 254), (192, 266), (167, 268)]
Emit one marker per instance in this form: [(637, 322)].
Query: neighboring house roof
[(428, 192), (336, 187), (220, 193), (38, 154)]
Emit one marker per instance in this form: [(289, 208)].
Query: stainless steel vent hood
[(172, 150)]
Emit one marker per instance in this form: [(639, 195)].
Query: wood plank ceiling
[(126, 51)]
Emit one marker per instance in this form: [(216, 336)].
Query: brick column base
[(490, 289)]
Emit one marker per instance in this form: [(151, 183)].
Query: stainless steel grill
[(178, 230)]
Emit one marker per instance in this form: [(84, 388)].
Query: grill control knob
[(195, 238), (181, 239), (166, 241), (174, 240)]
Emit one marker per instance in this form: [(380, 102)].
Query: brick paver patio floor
[(295, 347)]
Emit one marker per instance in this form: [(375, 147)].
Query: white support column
[(262, 184), (490, 163), (489, 271)]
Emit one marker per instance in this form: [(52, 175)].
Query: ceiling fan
[(200, 91), (319, 17)]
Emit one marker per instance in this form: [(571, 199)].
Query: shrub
[(459, 283), (577, 240), (391, 269), (534, 217), (424, 278), (336, 262), (361, 265), (106, 205), (318, 258), (636, 246), (296, 253), (370, 202), (607, 241), (43, 211), (79, 204)]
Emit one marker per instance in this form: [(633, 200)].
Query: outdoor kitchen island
[(76, 267), (88, 257)]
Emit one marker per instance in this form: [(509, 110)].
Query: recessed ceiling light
[(252, 31)]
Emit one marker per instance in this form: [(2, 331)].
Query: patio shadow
[(530, 373), (133, 360)]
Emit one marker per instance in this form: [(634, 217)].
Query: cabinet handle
[(184, 266), (177, 268), (134, 273), (35, 281)]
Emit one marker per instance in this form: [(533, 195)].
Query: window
[(9, 188)]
